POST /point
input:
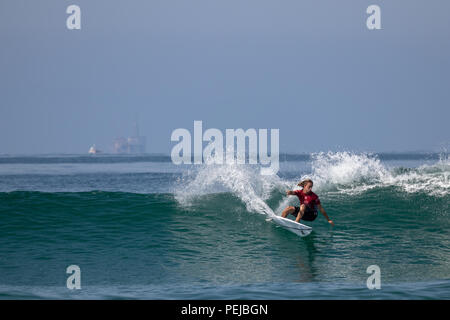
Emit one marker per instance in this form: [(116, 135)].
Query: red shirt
[(311, 199)]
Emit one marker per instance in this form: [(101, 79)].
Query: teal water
[(148, 229)]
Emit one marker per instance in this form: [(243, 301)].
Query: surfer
[(309, 203)]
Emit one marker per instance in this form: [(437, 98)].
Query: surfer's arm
[(290, 193), (322, 210)]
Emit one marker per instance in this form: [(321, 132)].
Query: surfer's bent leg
[(300, 213), (287, 211)]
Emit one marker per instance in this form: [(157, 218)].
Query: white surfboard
[(295, 227)]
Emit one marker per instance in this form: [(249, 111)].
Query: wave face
[(168, 228)]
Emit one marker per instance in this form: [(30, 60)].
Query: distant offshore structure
[(134, 144), (94, 150)]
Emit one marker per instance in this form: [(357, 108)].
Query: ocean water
[(140, 227)]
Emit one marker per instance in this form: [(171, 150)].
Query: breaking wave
[(332, 172)]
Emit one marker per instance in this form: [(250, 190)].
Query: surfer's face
[(308, 187)]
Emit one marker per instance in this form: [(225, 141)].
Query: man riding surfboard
[(309, 203)]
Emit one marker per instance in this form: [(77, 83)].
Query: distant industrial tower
[(134, 144)]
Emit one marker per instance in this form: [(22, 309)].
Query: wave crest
[(341, 172), (244, 181), (354, 173)]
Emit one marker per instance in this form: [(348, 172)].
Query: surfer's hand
[(331, 222)]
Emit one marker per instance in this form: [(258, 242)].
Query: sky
[(311, 69)]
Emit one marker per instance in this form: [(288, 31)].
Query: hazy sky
[(309, 68)]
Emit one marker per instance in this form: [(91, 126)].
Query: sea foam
[(332, 172)]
